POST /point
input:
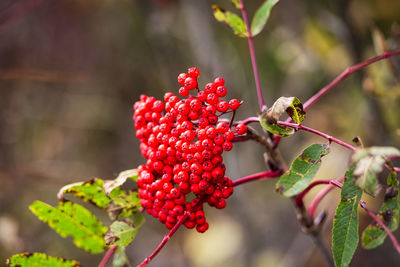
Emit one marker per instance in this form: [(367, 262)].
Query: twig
[(107, 256), (379, 221), (249, 120), (308, 129), (337, 80), (257, 176), (252, 56), (165, 239), (321, 194)]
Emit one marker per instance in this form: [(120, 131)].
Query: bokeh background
[(70, 71)]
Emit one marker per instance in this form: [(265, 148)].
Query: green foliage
[(345, 224), (261, 16), (70, 219), (123, 204), (374, 235), (292, 106), (90, 191), (39, 260), (120, 259), (302, 171), (369, 163), (236, 3), (123, 231), (231, 19)]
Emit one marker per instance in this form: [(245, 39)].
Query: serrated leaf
[(71, 219), (110, 185), (345, 224), (123, 203), (261, 16), (374, 235), (90, 191), (292, 106), (39, 260), (120, 259), (369, 163), (302, 171), (231, 19), (122, 232)]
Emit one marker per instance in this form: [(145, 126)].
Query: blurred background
[(70, 71)]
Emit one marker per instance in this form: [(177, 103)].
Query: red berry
[(190, 83), (240, 129), (181, 78), (183, 91), (219, 81), (234, 104), (221, 91), (193, 72)]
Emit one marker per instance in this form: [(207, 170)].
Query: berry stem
[(252, 56), (340, 78), (108, 255), (308, 129), (321, 194), (165, 239), (257, 176), (379, 221)]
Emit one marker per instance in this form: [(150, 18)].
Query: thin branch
[(308, 129), (249, 120), (321, 194), (257, 176), (379, 221), (107, 256), (299, 197), (165, 239), (345, 74), (337, 80), (253, 56)]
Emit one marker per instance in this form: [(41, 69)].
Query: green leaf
[(70, 219), (345, 224), (122, 232), (110, 185), (302, 171), (90, 191), (120, 259), (236, 3), (374, 235), (123, 204), (292, 106), (369, 163), (231, 19), (261, 16), (39, 260)]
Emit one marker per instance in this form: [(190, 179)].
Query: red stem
[(338, 79), (379, 221), (299, 197), (108, 255), (165, 239), (321, 194), (249, 120), (308, 129), (252, 56), (257, 176)]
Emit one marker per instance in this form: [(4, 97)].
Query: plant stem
[(108, 255), (337, 80), (344, 75), (249, 120), (379, 221), (257, 176), (165, 239), (299, 197), (308, 129), (252, 56), (321, 194)]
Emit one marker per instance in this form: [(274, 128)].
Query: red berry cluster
[(183, 141)]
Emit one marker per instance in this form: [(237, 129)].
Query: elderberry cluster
[(183, 141)]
